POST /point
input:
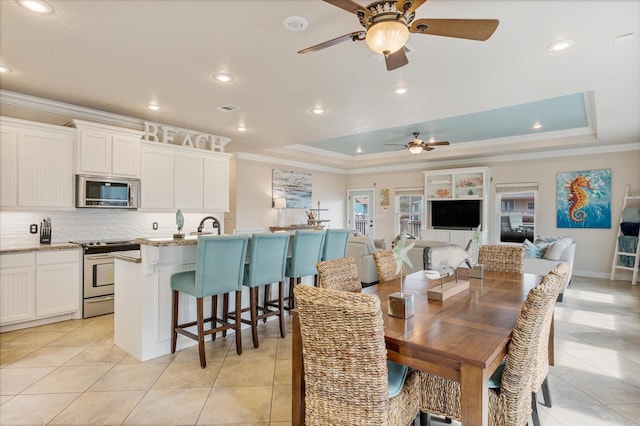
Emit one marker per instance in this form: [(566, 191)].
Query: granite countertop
[(132, 256), (189, 240), (37, 247)]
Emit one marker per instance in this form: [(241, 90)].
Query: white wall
[(594, 246), (253, 193)]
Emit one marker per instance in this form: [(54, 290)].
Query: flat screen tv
[(456, 214)]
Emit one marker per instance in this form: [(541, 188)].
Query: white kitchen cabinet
[(157, 179), (17, 287), (107, 150), (57, 282), (216, 184), (173, 178), (38, 167), (39, 287), (8, 167), (188, 188)]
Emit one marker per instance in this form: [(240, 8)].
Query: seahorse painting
[(578, 198), (583, 199)]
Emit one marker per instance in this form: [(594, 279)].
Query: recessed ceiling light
[(359, 150), (317, 110), (37, 6), (560, 45), (241, 128), (4, 68), (153, 107), (432, 139), (295, 23), (223, 77), (401, 90), (537, 125)]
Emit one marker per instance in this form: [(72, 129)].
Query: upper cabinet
[(36, 165), (107, 150), (175, 178)]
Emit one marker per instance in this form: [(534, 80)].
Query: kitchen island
[(142, 311), (142, 308)]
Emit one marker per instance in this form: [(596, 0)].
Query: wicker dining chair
[(348, 380), (502, 258), (510, 385), (386, 265), (540, 365), (339, 274)]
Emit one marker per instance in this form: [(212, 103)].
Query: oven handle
[(99, 299), (98, 256)]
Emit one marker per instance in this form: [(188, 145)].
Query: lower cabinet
[(39, 285), (57, 282), (17, 287)]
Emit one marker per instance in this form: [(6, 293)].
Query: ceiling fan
[(387, 25), (416, 146)]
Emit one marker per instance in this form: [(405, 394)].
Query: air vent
[(227, 108)]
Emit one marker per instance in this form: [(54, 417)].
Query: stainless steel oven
[(98, 277)]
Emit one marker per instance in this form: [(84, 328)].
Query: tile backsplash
[(95, 224)]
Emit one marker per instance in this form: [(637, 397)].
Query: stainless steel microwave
[(107, 192)]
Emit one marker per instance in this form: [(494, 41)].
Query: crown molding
[(73, 111)]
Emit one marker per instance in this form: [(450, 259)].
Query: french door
[(362, 211)]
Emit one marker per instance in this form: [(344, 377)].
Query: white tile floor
[(71, 373)]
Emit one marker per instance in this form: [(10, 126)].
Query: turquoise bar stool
[(306, 252), (267, 261), (219, 270), (335, 244)]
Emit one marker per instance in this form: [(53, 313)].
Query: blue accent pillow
[(532, 251), (397, 373)]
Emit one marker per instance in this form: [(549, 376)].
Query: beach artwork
[(295, 187), (583, 199)]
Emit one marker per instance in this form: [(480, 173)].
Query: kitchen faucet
[(216, 224)]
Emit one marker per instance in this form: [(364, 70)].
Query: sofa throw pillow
[(532, 251), (557, 248)]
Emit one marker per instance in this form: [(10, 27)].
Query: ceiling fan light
[(386, 37), (415, 149)]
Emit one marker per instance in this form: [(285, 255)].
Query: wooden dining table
[(462, 338)]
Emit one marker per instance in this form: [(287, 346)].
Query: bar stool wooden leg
[(214, 314), (267, 296), (253, 295), (225, 311), (174, 320), (238, 323), (280, 307), (200, 309)]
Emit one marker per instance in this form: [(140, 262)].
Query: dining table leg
[(297, 393), (474, 396)]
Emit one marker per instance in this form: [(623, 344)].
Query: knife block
[(45, 239)]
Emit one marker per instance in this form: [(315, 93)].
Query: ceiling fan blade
[(395, 144), (428, 148), (411, 5), (436, 143), (354, 36), (396, 59), (350, 6), (471, 29)]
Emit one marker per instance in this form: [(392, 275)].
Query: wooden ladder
[(615, 263)]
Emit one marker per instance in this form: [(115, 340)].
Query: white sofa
[(362, 249), (563, 250)]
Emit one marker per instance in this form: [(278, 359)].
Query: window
[(409, 213), (517, 211)]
